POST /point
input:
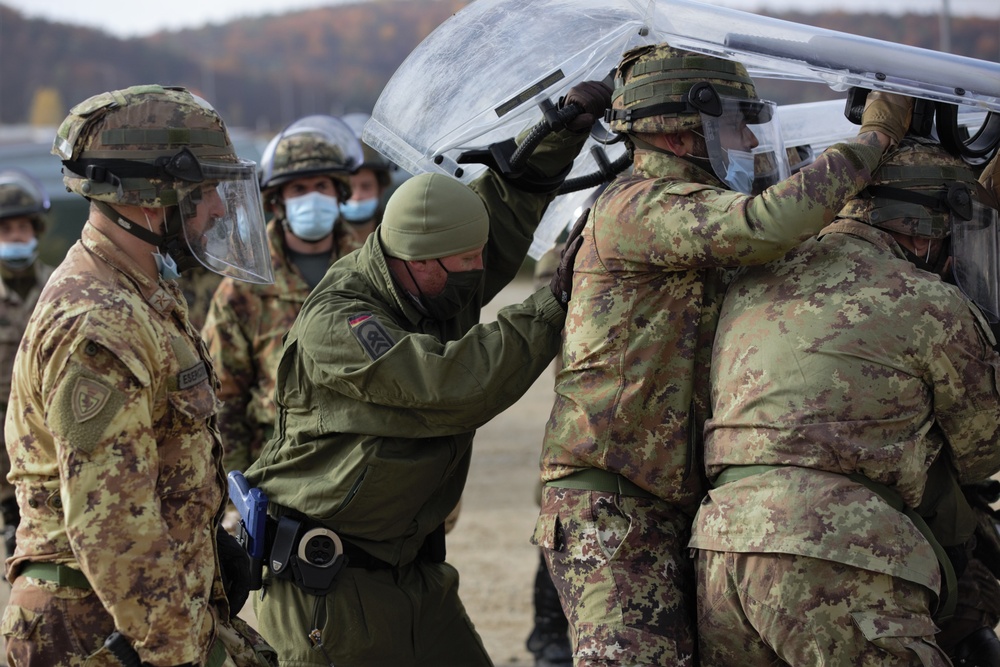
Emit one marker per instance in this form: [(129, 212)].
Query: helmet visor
[(226, 232), (744, 144), (975, 247)]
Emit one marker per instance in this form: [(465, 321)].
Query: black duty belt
[(593, 479), (432, 550)]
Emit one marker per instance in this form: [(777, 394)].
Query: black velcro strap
[(936, 203), (631, 115)]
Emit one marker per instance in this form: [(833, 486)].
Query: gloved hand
[(990, 179), (888, 113), (562, 280), (11, 518), (594, 97), (235, 564)]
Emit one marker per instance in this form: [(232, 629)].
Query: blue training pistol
[(252, 506)]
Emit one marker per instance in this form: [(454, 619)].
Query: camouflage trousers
[(47, 625), (623, 574), (410, 615), (6, 488), (757, 609)]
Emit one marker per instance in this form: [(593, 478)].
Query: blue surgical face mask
[(739, 171), (311, 216), (166, 265), (359, 211), (18, 255)]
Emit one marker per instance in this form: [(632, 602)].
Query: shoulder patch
[(83, 408), (88, 397), (374, 339)]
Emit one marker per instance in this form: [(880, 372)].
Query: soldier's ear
[(678, 143)]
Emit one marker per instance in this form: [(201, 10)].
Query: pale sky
[(130, 18)]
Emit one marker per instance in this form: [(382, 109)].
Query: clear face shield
[(975, 249), (225, 231), (744, 144)]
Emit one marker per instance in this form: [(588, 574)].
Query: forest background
[(262, 73)]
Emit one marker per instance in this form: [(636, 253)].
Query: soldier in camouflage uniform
[(304, 174), (198, 286), (23, 209), (369, 184), (115, 457), (384, 378), (621, 452), (841, 373)]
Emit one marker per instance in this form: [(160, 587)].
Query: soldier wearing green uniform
[(24, 206), (383, 380), (114, 453), (621, 451), (840, 374), (304, 175)]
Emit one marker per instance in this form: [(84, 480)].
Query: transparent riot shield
[(480, 76)]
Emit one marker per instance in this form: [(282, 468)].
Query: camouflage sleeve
[(966, 376), (231, 348), (791, 211), (100, 410), (515, 213)]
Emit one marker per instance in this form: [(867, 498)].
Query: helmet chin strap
[(167, 244)]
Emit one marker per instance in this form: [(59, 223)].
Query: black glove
[(235, 564), (11, 518), (562, 280), (593, 97)]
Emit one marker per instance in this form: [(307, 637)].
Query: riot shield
[(480, 76)]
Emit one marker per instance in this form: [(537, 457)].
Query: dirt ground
[(489, 545)]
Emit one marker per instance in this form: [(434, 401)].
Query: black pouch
[(309, 556)]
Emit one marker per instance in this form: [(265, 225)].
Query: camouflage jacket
[(115, 459), (648, 281), (198, 286), (14, 314), (378, 404), (844, 358), (244, 330)]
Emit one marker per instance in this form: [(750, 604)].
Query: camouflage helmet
[(23, 196), (916, 190), (141, 146), (312, 146), (657, 88)]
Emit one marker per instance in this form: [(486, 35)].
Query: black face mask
[(459, 289)]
